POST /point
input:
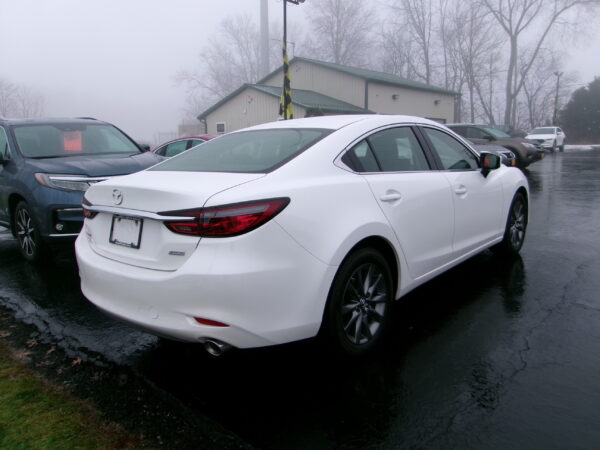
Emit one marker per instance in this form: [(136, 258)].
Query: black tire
[(553, 148), (359, 304), (516, 227), (28, 235), (561, 148)]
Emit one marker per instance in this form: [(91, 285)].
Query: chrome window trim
[(340, 164)]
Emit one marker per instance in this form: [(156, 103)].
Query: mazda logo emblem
[(117, 196)]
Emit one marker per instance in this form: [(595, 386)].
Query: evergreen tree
[(580, 118)]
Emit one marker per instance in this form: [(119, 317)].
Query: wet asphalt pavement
[(493, 354)]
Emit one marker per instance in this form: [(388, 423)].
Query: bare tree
[(341, 31), (19, 101), (229, 60), (539, 90), (516, 17), (475, 46), (418, 17)]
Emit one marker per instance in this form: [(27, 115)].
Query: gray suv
[(45, 167), (526, 152)]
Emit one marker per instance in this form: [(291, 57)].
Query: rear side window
[(453, 154), (391, 150), (258, 151), (398, 150), (174, 148), (69, 139)]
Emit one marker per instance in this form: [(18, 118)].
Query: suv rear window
[(258, 151), (70, 139)]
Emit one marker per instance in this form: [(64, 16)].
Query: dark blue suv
[(45, 167)]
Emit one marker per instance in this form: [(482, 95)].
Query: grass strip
[(34, 414)]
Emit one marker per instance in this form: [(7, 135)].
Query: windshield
[(71, 139), (542, 131), (257, 151), (497, 133)]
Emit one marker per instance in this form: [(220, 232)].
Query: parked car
[(550, 138), (510, 130), (47, 164), (295, 228), (526, 152), (176, 146)]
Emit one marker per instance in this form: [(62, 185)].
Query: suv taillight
[(226, 220), (88, 214)]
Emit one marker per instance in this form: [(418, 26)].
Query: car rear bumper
[(263, 285)]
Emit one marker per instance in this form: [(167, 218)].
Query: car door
[(4, 156), (477, 199), (560, 137), (415, 199)]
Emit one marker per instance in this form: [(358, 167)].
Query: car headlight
[(67, 182)]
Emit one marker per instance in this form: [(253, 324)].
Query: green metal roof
[(370, 75), (309, 100), (313, 100)]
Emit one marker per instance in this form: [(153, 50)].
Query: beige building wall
[(325, 81), (385, 99), (249, 107)]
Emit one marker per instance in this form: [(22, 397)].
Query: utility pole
[(555, 115), (285, 104)]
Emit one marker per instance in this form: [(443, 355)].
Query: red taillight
[(88, 214), (227, 220)]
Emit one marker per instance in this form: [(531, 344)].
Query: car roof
[(51, 120), (338, 122)]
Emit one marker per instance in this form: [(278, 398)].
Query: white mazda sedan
[(287, 230)]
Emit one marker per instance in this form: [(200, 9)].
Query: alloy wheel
[(25, 232), (364, 303), (517, 224)]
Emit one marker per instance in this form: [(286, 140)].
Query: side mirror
[(4, 159), (489, 162), (489, 137), (145, 147)]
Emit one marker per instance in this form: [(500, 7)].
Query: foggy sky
[(115, 59)]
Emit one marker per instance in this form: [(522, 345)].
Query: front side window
[(258, 151), (453, 154), (4, 151), (72, 139)]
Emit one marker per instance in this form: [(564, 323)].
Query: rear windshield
[(71, 139), (258, 151), (543, 131)]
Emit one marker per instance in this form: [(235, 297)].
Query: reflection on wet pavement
[(493, 354)]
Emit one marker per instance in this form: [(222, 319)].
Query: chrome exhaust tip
[(215, 348)]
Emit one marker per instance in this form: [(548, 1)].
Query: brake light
[(88, 214), (226, 220)]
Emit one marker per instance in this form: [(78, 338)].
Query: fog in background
[(116, 59)]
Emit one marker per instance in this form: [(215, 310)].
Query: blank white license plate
[(126, 231)]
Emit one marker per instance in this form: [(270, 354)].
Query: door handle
[(460, 190), (390, 197)]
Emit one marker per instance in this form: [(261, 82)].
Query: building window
[(220, 127)]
